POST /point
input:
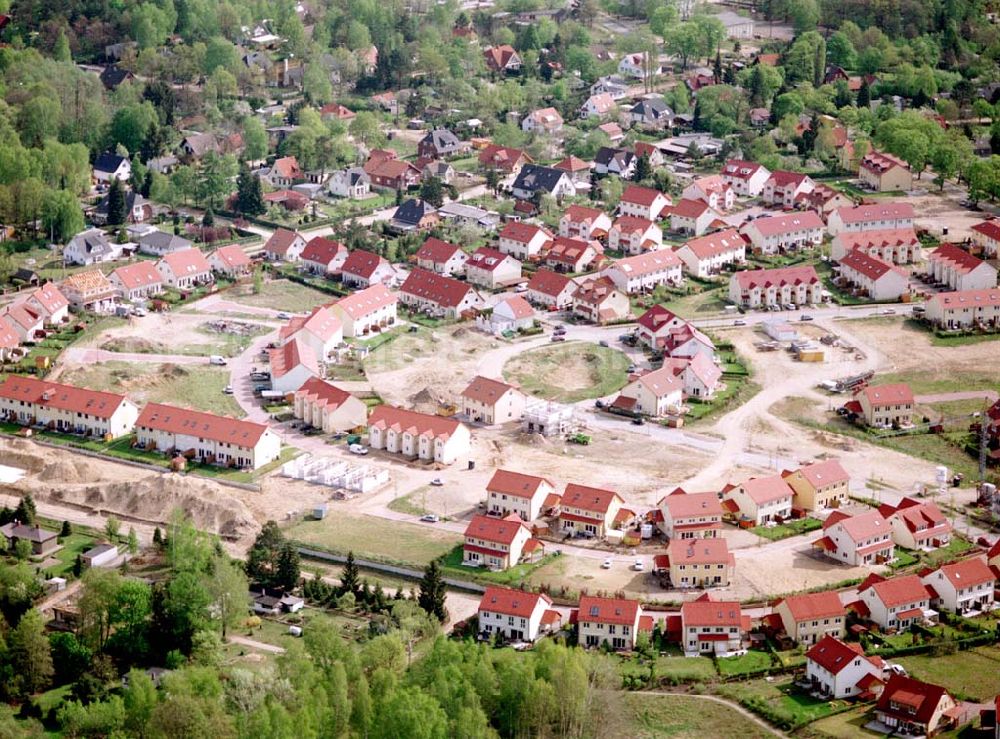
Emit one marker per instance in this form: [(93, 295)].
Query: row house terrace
[(206, 437), (694, 217), (766, 287), (964, 309), (31, 402), (492, 269), (713, 190), (885, 406), (490, 401), (185, 269), (137, 281), (986, 236), (417, 435), (958, 269), (366, 311), (895, 246), (327, 407), (438, 294), (709, 255), (644, 272), (872, 217), (870, 276), (781, 233)]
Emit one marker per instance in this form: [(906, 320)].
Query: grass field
[(651, 716), (412, 503), (685, 669), (285, 295), (779, 701), (569, 372), (368, 538), (847, 725), (752, 661), (785, 530), (72, 545), (511, 576), (973, 675), (193, 386)]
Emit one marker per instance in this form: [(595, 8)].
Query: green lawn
[(569, 372), (656, 716), (452, 563), (412, 503), (974, 674), (192, 385), (846, 725), (787, 529), (779, 702), (74, 544), (752, 661), (284, 295), (904, 558), (680, 669), (955, 548), (370, 538)]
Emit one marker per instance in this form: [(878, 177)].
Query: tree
[(249, 195), (70, 657), (643, 169), (840, 51), (262, 561), (365, 129), (432, 592), (663, 18), (819, 63), (26, 512), (22, 550), (711, 33), (133, 541), (62, 217), (78, 566), (684, 41), (112, 527), (254, 139), (30, 654), (157, 537), (349, 578), (140, 698), (432, 191), (229, 593), (864, 95), (61, 51), (805, 15), (289, 572), (67, 530), (117, 207)]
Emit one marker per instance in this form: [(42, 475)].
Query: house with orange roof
[(894, 246), (284, 173), (819, 485), (441, 257), (600, 105), (25, 320), (364, 268), (393, 174), (230, 261), (786, 232), (656, 324), (577, 169), (809, 618), (592, 512), (323, 256), (291, 365), (581, 222), (697, 563), (599, 301), (885, 406), (523, 240), (320, 330), (655, 393), (327, 407), (986, 235), (614, 622), (961, 587), (712, 627), (883, 172), (510, 492), (709, 255), (50, 302), (515, 615), (713, 190), (690, 515), (206, 437), (417, 435), (502, 59), (566, 254), (498, 543), (699, 375), (550, 290), (137, 281), (284, 245), (754, 288), (896, 603), (490, 401), (438, 294), (917, 524), (365, 311), (185, 269), (543, 120), (759, 499), (693, 217), (909, 707), (863, 539), (504, 159), (29, 401), (784, 188), (964, 308), (633, 235), (492, 269), (838, 669), (867, 275), (642, 202), (955, 267), (10, 342), (510, 314)]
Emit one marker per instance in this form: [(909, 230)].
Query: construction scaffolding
[(334, 473), (550, 419)]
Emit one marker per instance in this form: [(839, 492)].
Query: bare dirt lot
[(177, 333)]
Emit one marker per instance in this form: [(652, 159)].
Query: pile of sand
[(133, 345), (66, 471)]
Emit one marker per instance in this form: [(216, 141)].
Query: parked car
[(805, 317), (889, 312), (602, 342), (437, 482), (739, 322), (430, 518), (638, 566), (637, 421), (606, 564), (284, 316), (217, 360), (228, 389), (558, 337), (358, 449)]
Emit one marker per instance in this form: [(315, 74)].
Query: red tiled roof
[(880, 162), (49, 298), (786, 224), (923, 697), (487, 391), (362, 263), (9, 338), (608, 610), (441, 290), (648, 263), (688, 208), (498, 57), (572, 164), (321, 392), (893, 394), (285, 358), (962, 260), (740, 169), (497, 530), (645, 196), (967, 573), (61, 397), (548, 283), (232, 255), (711, 245), (877, 238), (706, 612), (419, 424), (519, 307), (173, 420), (713, 550), (522, 233), (833, 655), (321, 323), (749, 279), (487, 259), (437, 251), (821, 474), (967, 299), (140, 274), (990, 229), (516, 484), (579, 213), (656, 317), (861, 527), (322, 250), (782, 179), (512, 602), (812, 606), (187, 262), (502, 157), (766, 489), (875, 212), (867, 265), (366, 301), (588, 498), (898, 591), (23, 315), (281, 240), (680, 504)]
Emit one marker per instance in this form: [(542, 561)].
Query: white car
[(228, 389), (638, 566), (357, 449), (606, 564), (430, 518)]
